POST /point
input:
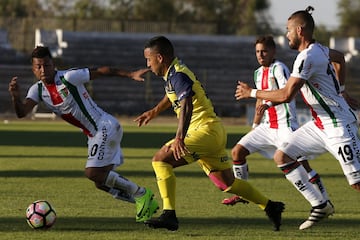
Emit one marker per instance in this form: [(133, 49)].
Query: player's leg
[(303, 142), (260, 139), (315, 179), (215, 163), (240, 171), (163, 164), (240, 166), (346, 149), (226, 182), (104, 155)]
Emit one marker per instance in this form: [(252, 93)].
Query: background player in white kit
[(64, 93), (273, 123), (334, 127)]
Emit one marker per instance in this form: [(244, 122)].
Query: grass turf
[(45, 160)]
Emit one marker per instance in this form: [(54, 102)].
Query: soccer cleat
[(234, 200), (154, 206), (273, 211), (146, 206), (166, 220), (318, 214)]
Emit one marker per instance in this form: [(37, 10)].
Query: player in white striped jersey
[(64, 93), (273, 123), (334, 127)]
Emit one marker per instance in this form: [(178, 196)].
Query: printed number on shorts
[(346, 153), (94, 150)]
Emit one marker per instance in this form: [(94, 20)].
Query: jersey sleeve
[(33, 93), (182, 85), (77, 76)]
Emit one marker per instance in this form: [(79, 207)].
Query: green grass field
[(45, 160)]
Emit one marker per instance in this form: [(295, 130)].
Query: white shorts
[(104, 148), (266, 140), (343, 143)]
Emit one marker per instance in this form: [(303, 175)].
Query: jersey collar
[(171, 68)]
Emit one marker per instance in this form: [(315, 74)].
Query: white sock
[(241, 171), (120, 186), (315, 179), (298, 177)]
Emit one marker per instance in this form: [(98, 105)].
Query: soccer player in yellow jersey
[(200, 137)]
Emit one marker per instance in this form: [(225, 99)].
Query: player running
[(64, 93), (273, 123), (334, 126), (200, 137)]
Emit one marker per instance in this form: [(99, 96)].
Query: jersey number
[(346, 153), (94, 150)]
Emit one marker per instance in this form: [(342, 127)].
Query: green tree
[(231, 16), (88, 9), (322, 35), (349, 12), (159, 10), (20, 8)]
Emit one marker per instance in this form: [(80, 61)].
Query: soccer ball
[(40, 215)]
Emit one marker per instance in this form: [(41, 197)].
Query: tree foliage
[(20, 8), (231, 16), (349, 12)]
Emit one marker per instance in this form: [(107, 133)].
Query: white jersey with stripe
[(321, 90), (69, 99), (271, 78)]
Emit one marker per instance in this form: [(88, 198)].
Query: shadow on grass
[(190, 224), (130, 173), (77, 139)]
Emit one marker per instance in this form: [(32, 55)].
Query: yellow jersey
[(181, 82)]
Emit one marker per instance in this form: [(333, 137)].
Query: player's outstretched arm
[(138, 74), (22, 108), (110, 71)]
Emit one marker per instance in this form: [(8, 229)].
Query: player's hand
[(179, 148), (14, 88), (137, 75), (353, 103), (242, 91), (144, 118), (261, 109)]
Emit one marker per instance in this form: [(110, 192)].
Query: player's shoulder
[(74, 74), (279, 66)]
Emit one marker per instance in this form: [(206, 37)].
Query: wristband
[(255, 125), (342, 88), (253, 93), (269, 104)]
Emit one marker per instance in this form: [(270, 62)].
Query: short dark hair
[(267, 40), (41, 52), (304, 18), (162, 45)]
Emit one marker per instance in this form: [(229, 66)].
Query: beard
[(294, 44)]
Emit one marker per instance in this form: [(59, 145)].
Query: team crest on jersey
[(64, 92), (272, 80)]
